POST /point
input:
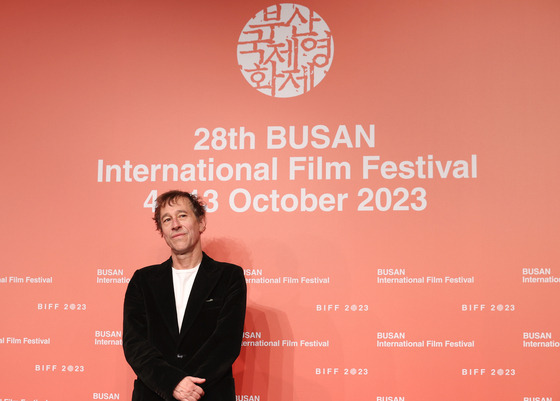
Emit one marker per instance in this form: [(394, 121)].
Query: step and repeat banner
[(386, 172)]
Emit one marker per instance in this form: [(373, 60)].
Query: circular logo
[(285, 50)]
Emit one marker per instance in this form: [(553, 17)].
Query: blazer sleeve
[(214, 359), (147, 361)]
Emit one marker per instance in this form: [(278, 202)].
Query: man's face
[(180, 227)]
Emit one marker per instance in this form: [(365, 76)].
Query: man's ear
[(202, 224)]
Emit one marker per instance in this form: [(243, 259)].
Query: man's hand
[(187, 389)]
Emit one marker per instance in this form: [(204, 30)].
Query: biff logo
[(285, 50)]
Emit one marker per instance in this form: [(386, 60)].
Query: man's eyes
[(168, 219)]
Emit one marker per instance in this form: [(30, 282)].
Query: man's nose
[(175, 222)]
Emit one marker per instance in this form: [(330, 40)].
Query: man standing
[(183, 319)]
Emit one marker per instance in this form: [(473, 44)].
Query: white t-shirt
[(183, 281)]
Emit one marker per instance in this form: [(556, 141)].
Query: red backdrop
[(430, 273)]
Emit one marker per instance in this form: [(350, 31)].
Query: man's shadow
[(262, 370)]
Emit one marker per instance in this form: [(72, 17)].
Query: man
[(183, 319)]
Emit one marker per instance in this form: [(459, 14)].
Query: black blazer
[(210, 337)]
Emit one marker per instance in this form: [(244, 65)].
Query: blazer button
[(180, 356)]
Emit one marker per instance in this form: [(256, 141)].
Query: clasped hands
[(188, 389)]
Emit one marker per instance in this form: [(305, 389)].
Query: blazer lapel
[(165, 298), (204, 282)]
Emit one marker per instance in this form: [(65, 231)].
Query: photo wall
[(385, 173)]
